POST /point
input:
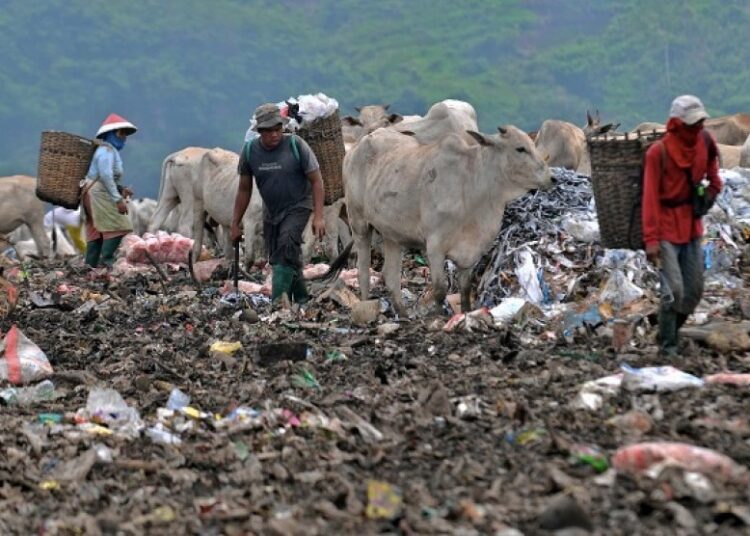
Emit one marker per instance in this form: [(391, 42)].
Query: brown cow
[(729, 129), (563, 144)]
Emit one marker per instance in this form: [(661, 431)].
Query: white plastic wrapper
[(581, 229), (592, 393), (506, 310), (22, 361), (527, 276), (658, 379)]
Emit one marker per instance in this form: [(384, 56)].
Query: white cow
[(441, 119), (214, 194), (179, 173), (447, 197), (19, 205), (336, 230), (141, 212)]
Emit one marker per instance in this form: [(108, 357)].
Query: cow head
[(594, 125), (513, 153), (375, 116)]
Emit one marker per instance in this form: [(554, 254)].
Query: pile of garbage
[(548, 252)]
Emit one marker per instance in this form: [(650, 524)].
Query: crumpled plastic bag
[(526, 273), (22, 361), (106, 406), (645, 458), (581, 229), (658, 379), (619, 290)]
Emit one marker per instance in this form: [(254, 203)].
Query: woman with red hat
[(103, 198)]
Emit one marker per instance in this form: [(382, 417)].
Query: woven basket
[(327, 142), (64, 160), (617, 181)]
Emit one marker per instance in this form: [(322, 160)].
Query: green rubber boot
[(281, 282), (299, 288), (93, 252), (109, 248)]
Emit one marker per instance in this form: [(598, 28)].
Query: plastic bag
[(619, 290), (644, 457), (581, 230), (526, 273), (24, 396), (106, 406), (592, 393), (506, 310), (22, 361), (658, 379)]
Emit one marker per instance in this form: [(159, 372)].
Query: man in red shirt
[(674, 167)]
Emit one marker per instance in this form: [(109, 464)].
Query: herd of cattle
[(432, 182)]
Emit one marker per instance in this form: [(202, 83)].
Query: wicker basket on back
[(326, 140), (617, 181), (64, 160)]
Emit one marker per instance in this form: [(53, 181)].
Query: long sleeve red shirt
[(674, 224)]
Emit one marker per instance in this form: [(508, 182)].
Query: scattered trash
[(225, 347), (657, 379), (383, 500), (24, 396)]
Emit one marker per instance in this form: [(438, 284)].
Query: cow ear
[(386, 106), (358, 108), (502, 130), (608, 127), (351, 121), (589, 119), (481, 138), (395, 118)]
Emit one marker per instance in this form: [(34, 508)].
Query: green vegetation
[(190, 72)]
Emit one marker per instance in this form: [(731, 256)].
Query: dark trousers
[(284, 239), (682, 288)]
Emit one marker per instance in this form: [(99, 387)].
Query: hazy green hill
[(190, 72)]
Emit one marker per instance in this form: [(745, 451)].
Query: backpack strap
[(249, 145), (246, 150), (295, 150)]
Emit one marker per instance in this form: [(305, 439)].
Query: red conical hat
[(116, 122)]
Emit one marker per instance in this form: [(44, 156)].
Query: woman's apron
[(103, 220)]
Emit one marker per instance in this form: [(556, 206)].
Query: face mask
[(115, 141)]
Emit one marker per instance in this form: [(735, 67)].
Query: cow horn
[(386, 106), (546, 159), (589, 119), (502, 130), (358, 108)]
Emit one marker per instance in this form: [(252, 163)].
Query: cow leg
[(464, 284), (392, 274), (199, 217), (162, 212), (39, 234), (436, 259), (362, 244), (228, 245)]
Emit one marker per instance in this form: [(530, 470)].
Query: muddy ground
[(472, 430)]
